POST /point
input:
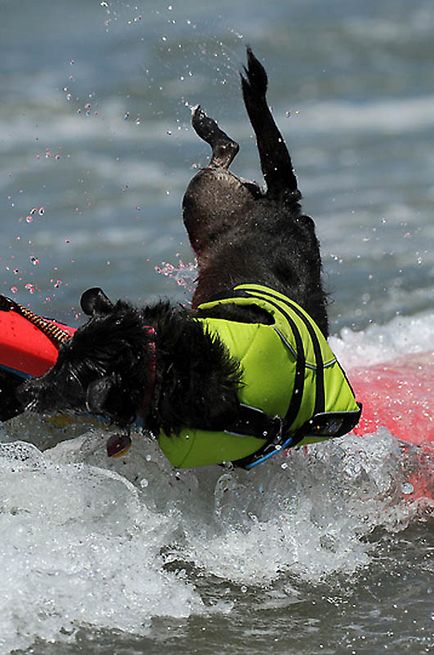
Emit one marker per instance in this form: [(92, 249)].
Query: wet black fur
[(9, 405), (240, 233), (104, 368)]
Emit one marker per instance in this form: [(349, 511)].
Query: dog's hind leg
[(223, 147), (275, 160)]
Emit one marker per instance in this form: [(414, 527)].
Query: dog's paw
[(223, 147), (255, 82), (203, 125)]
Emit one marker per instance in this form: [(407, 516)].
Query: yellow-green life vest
[(289, 373)]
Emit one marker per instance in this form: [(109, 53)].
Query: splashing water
[(183, 274), (79, 546), (114, 544)]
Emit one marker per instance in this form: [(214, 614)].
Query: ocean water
[(325, 551)]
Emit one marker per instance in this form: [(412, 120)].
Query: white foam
[(380, 343), (78, 547)]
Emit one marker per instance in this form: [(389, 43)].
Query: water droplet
[(30, 288), (407, 488)]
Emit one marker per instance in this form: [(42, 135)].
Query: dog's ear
[(94, 302)]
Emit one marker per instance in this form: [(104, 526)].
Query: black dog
[(157, 362)]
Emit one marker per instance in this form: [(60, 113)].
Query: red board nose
[(24, 347)]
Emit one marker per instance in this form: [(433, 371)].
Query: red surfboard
[(397, 395)]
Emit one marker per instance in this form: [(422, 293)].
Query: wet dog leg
[(275, 160)]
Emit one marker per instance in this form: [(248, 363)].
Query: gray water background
[(95, 153)]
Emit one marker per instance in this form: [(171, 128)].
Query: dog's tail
[(275, 160)]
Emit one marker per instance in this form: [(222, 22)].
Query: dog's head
[(105, 368)]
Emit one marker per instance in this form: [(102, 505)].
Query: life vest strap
[(326, 425), (252, 421), (296, 399)]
